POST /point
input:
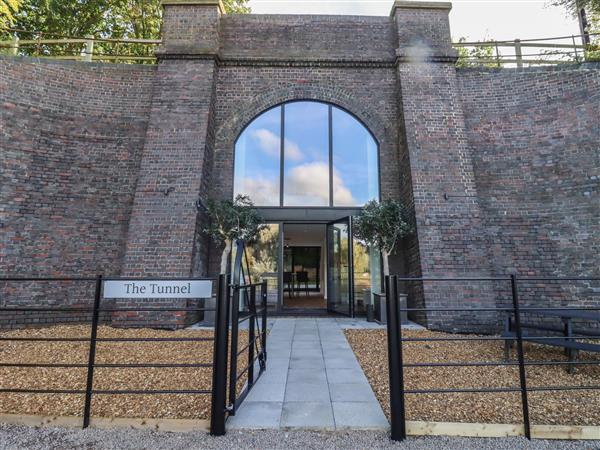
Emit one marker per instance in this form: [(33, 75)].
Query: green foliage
[(236, 6), (475, 57), (8, 9), (591, 6), (117, 19), (382, 225), (592, 9), (593, 51), (232, 220)]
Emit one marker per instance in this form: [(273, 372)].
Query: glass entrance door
[(339, 267)]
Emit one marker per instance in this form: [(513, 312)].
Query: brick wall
[(450, 238), (536, 135), (285, 37), (71, 140), (102, 164)]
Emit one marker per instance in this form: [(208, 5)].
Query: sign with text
[(157, 289)]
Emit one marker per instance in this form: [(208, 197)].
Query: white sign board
[(157, 289)]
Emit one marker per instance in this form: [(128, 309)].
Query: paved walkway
[(313, 381)]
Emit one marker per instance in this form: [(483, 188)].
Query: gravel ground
[(133, 406), (18, 437), (548, 408)]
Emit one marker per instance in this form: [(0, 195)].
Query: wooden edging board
[(567, 432), (413, 428), (181, 425)]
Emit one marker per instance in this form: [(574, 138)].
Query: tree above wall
[(8, 9), (116, 19)]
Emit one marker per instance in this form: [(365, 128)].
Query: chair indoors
[(288, 283), (302, 279)]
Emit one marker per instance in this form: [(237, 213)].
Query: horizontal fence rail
[(514, 53), (87, 49), (235, 305), (91, 364), (514, 334)]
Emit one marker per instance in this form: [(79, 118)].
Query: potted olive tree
[(382, 226), (231, 221)]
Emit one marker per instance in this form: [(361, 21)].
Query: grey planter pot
[(209, 316), (381, 311)]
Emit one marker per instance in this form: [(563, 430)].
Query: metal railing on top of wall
[(87, 49), (518, 52), (528, 52)]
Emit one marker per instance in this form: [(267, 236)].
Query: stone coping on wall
[(217, 3), (403, 4)]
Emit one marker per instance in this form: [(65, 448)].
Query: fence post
[(89, 49), (575, 48), (219, 382), (235, 308), (251, 336), (497, 55), (519, 53), (394, 332), (92, 354), (521, 357), (14, 46), (263, 330)]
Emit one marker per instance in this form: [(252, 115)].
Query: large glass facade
[(306, 153)]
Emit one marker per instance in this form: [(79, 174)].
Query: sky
[(475, 20)]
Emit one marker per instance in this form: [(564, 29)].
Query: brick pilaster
[(450, 229)]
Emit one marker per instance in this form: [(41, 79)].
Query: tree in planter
[(230, 221), (382, 225)]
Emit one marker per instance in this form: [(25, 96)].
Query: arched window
[(306, 153)]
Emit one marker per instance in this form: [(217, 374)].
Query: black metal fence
[(228, 314), (515, 330)]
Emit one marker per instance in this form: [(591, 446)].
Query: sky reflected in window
[(306, 154), (257, 159), (355, 166), (307, 181)]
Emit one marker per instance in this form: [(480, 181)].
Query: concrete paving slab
[(351, 392), (307, 362), (279, 353), (307, 415), (266, 392), (346, 376), (274, 362), (363, 415), (307, 353), (257, 415), (306, 345), (308, 337), (307, 392), (274, 375), (306, 376), (342, 362)]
